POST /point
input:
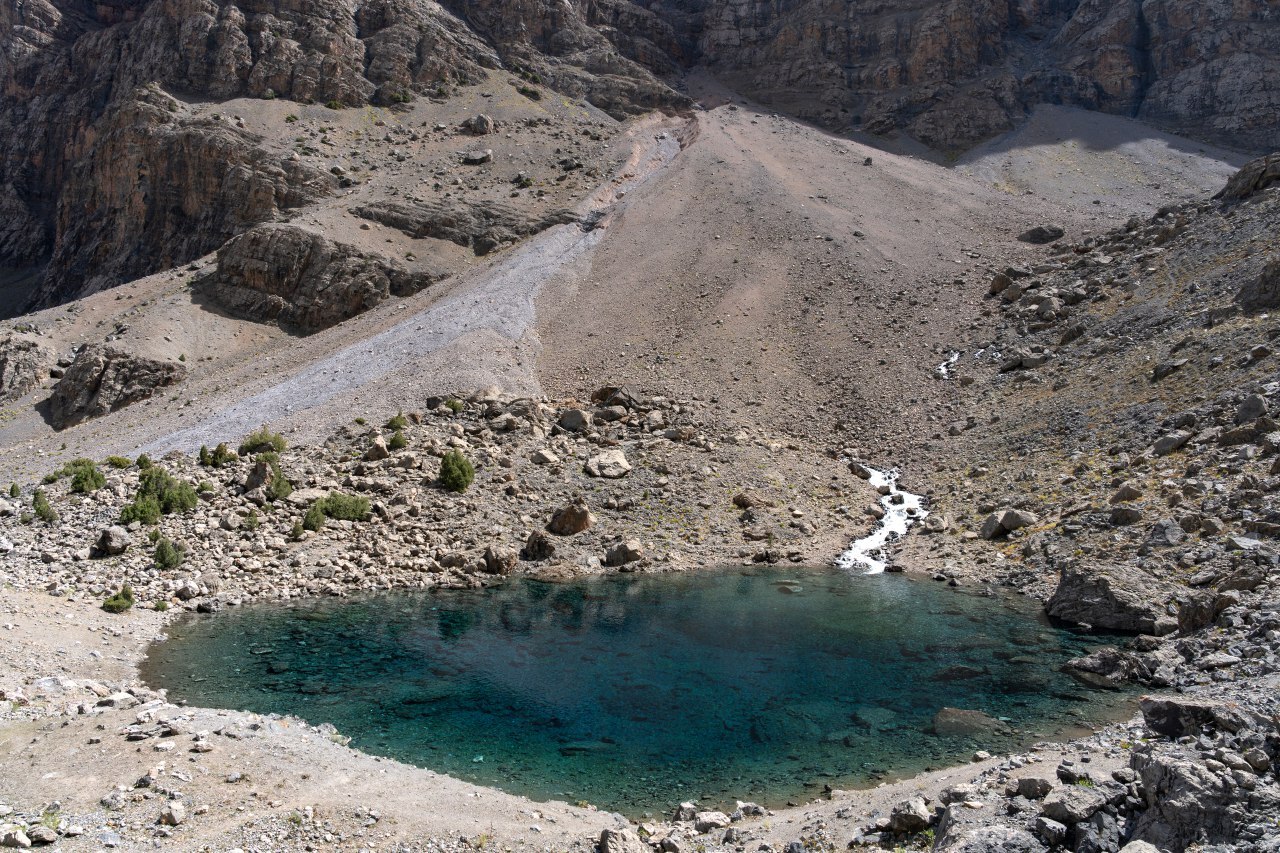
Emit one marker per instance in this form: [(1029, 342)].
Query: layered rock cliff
[(104, 175)]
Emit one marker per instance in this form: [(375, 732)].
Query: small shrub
[(314, 519), (40, 505), (456, 472), (162, 606), (182, 356), (263, 439), (398, 441), (344, 507), (251, 521), (268, 94), (168, 555), (26, 518), (217, 457), (361, 422), (158, 494), (50, 479), (118, 462), (530, 92), (144, 462), (121, 601), (14, 491), (398, 422), (290, 118), (335, 104), (278, 487), (145, 509), (454, 406), (297, 531), (153, 535), (205, 487), (86, 480)]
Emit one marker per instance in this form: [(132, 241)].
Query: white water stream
[(901, 510)]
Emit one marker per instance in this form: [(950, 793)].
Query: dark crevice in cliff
[(1142, 58)]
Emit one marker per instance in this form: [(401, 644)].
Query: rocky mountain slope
[(109, 172)]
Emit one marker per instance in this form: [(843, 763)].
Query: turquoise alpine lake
[(634, 693)]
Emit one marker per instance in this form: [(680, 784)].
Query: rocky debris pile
[(104, 378), (641, 484), (303, 280), (482, 226), (24, 364)]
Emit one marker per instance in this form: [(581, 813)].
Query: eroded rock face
[(1114, 598), (941, 69), (302, 280), (103, 379), (103, 177), (481, 226), (24, 363)]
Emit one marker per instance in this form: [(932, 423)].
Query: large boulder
[(303, 280), (612, 464), (622, 841), (103, 378), (574, 517), (24, 364), (1262, 293), (1179, 716), (1186, 803), (1114, 598), (1005, 521), (1254, 176)]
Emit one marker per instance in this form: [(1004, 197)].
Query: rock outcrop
[(1114, 598), (103, 378), (24, 363), (302, 280), (481, 226)]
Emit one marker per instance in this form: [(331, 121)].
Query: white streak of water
[(901, 510), (944, 369)]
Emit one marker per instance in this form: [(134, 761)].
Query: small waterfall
[(901, 510), (944, 370)]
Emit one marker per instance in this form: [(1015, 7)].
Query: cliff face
[(951, 73), (104, 176)]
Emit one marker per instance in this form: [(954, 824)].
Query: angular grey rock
[(103, 378), (24, 363), (1169, 443), (910, 816), (708, 821), (1186, 802), (1034, 787), (1179, 716), (500, 561), (612, 464), (1071, 804), (575, 420), (479, 125), (113, 540), (621, 841), (1041, 234), (1254, 176), (537, 547), (624, 552), (1115, 598), (1006, 520)]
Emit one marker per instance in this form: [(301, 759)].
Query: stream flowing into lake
[(637, 692)]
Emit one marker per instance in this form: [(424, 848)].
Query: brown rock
[(572, 518), (103, 379)]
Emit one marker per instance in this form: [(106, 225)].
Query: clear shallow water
[(637, 693)]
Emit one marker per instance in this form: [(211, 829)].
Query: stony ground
[(1105, 441)]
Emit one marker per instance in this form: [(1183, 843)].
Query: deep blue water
[(634, 693)]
